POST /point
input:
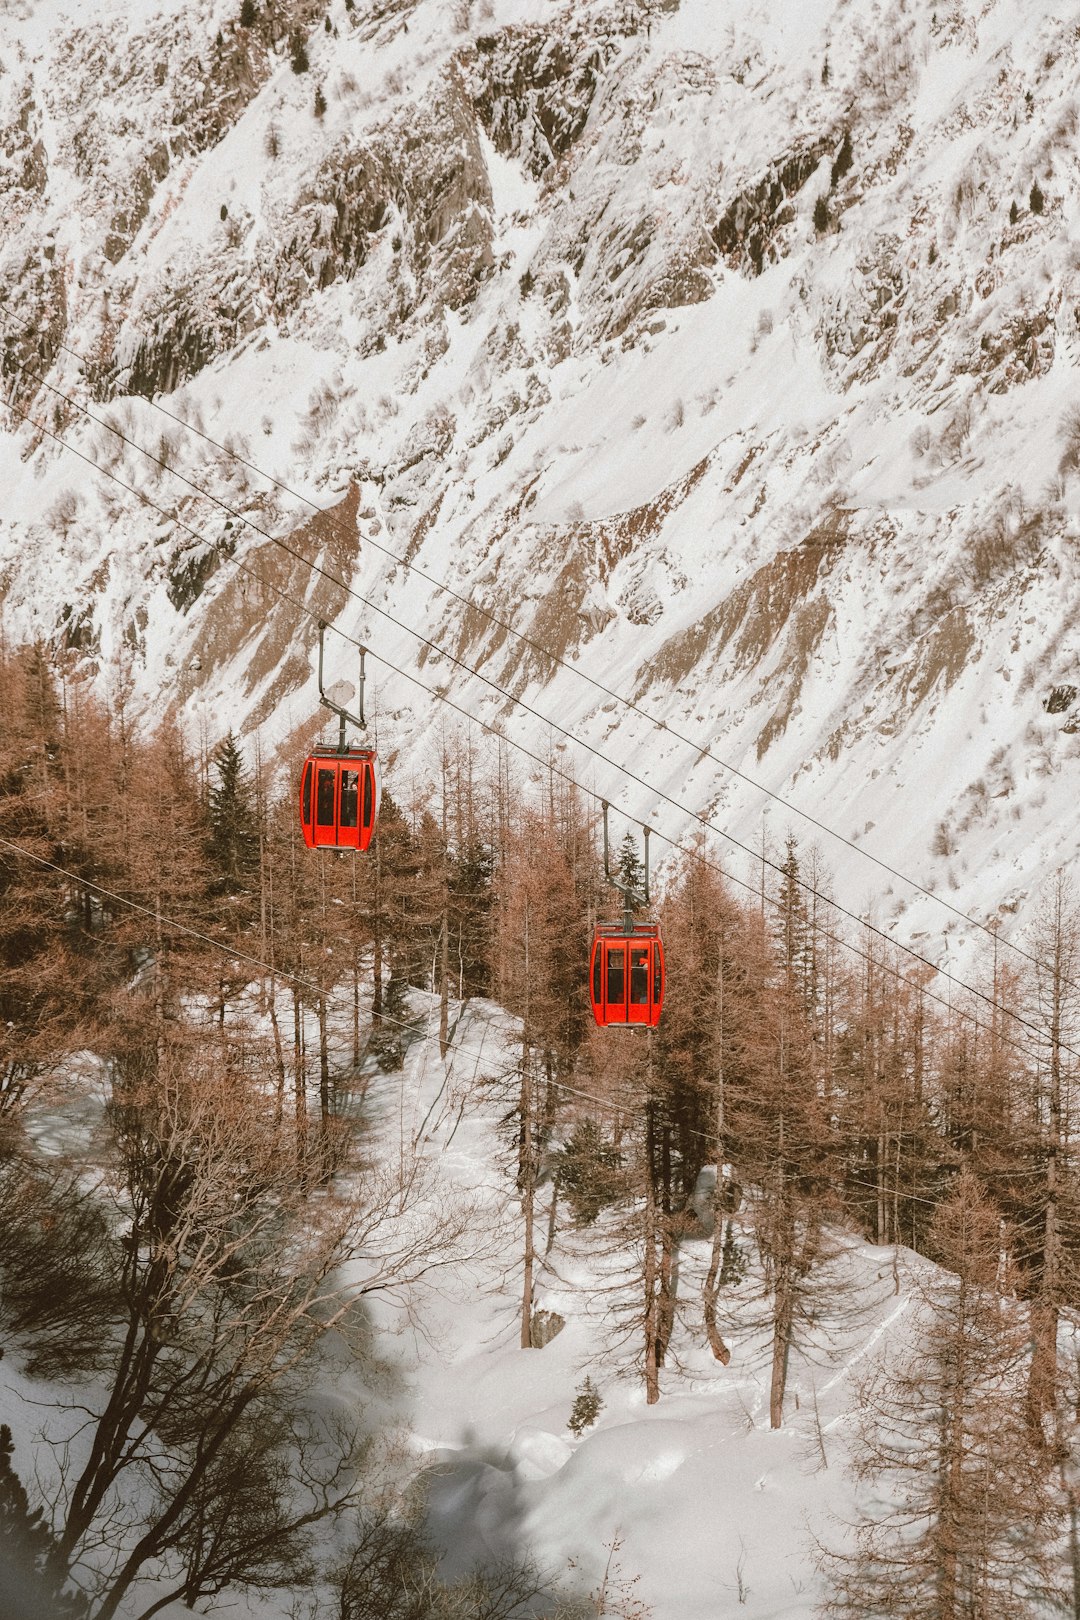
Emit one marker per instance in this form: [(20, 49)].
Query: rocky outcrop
[(23, 163), (750, 231)]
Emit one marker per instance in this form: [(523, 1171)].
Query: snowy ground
[(698, 1491), (701, 1497)]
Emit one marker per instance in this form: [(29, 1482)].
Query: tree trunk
[(551, 1099), (279, 1054), (1045, 1307), (783, 1318), (444, 983), (669, 1270), (376, 936), (783, 1253), (324, 1080), (651, 1317), (131, 1382), (951, 1471), (299, 1079), (710, 1291), (711, 1286), (1043, 1370), (355, 1015), (527, 1180), (552, 1214)]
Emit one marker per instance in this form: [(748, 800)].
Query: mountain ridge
[(544, 302)]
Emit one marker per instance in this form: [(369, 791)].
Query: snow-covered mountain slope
[(727, 349)]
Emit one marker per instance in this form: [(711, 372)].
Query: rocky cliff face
[(729, 351)]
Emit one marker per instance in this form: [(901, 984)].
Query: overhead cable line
[(537, 759), (434, 647), (627, 1108), (702, 749), (548, 765)]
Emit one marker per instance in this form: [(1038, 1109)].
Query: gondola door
[(613, 953), (326, 795), (638, 1001)]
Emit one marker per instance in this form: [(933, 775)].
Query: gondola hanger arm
[(344, 715)]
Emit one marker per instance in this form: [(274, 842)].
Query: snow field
[(696, 1489)]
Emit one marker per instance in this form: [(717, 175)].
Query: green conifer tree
[(631, 870), (234, 842), (733, 1261), (389, 1030), (590, 1172), (298, 55), (471, 900), (588, 1404)]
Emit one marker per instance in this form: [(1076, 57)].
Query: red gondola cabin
[(626, 975), (339, 798)]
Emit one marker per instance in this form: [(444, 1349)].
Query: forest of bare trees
[(165, 937)]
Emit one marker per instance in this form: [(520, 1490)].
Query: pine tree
[(248, 14), (796, 940), (542, 969), (45, 972), (390, 1026), (471, 899), (704, 1068), (783, 1136), (1036, 198), (733, 1260), (298, 55), (590, 1172), (1014, 212), (320, 101), (1049, 1250), (234, 842), (631, 870), (891, 1137), (821, 215), (42, 717), (588, 1404)]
